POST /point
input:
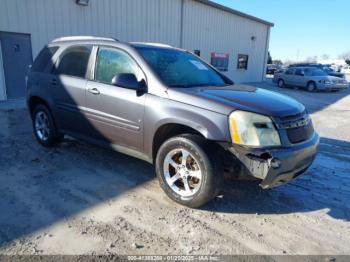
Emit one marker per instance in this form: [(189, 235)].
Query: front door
[(17, 56), (116, 113)]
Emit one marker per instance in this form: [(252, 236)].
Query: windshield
[(180, 69), (314, 72), (328, 69)]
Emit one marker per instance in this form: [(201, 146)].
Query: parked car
[(310, 78), (345, 69), (327, 68), (271, 69), (170, 108)]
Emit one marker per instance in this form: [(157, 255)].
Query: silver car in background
[(310, 78)]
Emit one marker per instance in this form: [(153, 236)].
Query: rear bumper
[(277, 166)]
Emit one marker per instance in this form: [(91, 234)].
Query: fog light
[(275, 163)]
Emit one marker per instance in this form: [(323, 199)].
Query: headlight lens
[(252, 129), (327, 82)]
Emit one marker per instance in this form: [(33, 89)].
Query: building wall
[(127, 20), (2, 79), (214, 30), (205, 28)]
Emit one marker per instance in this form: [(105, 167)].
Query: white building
[(235, 42)]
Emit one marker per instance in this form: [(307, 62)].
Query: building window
[(219, 61), (242, 62)]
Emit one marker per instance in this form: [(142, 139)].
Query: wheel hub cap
[(42, 126), (182, 172)]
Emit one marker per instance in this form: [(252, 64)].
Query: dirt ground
[(80, 199)]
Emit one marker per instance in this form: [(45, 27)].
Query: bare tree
[(311, 59), (345, 56)]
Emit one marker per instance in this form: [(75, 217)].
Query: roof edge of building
[(233, 11)]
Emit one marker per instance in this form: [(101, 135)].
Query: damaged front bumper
[(279, 165)]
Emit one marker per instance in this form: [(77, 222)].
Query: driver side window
[(111, 61)]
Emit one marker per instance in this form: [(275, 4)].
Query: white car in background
[(345, 69)]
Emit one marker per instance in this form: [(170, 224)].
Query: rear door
[(299, 77), (289, 76), (116, 113), (68, 84)]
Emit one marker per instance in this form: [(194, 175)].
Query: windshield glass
[(315, 72), (180, 69)]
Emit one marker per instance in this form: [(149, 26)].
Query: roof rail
[(151, 44), (77, 38)]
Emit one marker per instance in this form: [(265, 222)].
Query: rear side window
[(74, 61), (44, 58), (299, 72), (289, 71)]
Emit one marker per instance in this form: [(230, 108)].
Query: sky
[(303, 28)]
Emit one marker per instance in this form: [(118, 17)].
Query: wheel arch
[(311, 81), (169, 130), (34, 101)]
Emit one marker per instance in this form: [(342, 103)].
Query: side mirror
[(126, 80)]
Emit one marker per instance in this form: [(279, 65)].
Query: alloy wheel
[(182, 172), (42, 126)]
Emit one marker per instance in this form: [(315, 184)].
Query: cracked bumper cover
[(277, 166)]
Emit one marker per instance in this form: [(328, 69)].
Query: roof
[(235, 12)]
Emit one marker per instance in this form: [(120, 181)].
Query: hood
[(336, 74), (248, 98)]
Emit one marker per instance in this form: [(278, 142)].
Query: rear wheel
[(280, 83), (44, 127), (311, 86), (188, 170)]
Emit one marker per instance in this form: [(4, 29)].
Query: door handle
[(94, 91)]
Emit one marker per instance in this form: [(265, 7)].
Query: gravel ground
[(80, 199)]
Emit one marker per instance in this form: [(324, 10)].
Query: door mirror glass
[(126, 80)]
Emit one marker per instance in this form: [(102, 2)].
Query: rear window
[(44, 58), (74, 61)]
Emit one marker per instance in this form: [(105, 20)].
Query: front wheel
[(311, 86), (189, 170), (280, 83)]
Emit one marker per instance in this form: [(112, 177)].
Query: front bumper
[(277, 166), (335, 87)]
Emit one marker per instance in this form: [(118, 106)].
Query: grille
[(293, 117), (300, 134)]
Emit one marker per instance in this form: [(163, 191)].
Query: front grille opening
[(293, 117), (300, 134)]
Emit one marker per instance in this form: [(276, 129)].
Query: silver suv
[(168, 107)]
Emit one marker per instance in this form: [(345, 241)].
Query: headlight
[(252, 129), (327, 82)]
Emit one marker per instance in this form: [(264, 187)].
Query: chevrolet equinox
[(168, 107)]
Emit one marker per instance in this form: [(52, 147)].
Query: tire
[(280, 83), (311, 86), (202, 159), (44, 127)]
